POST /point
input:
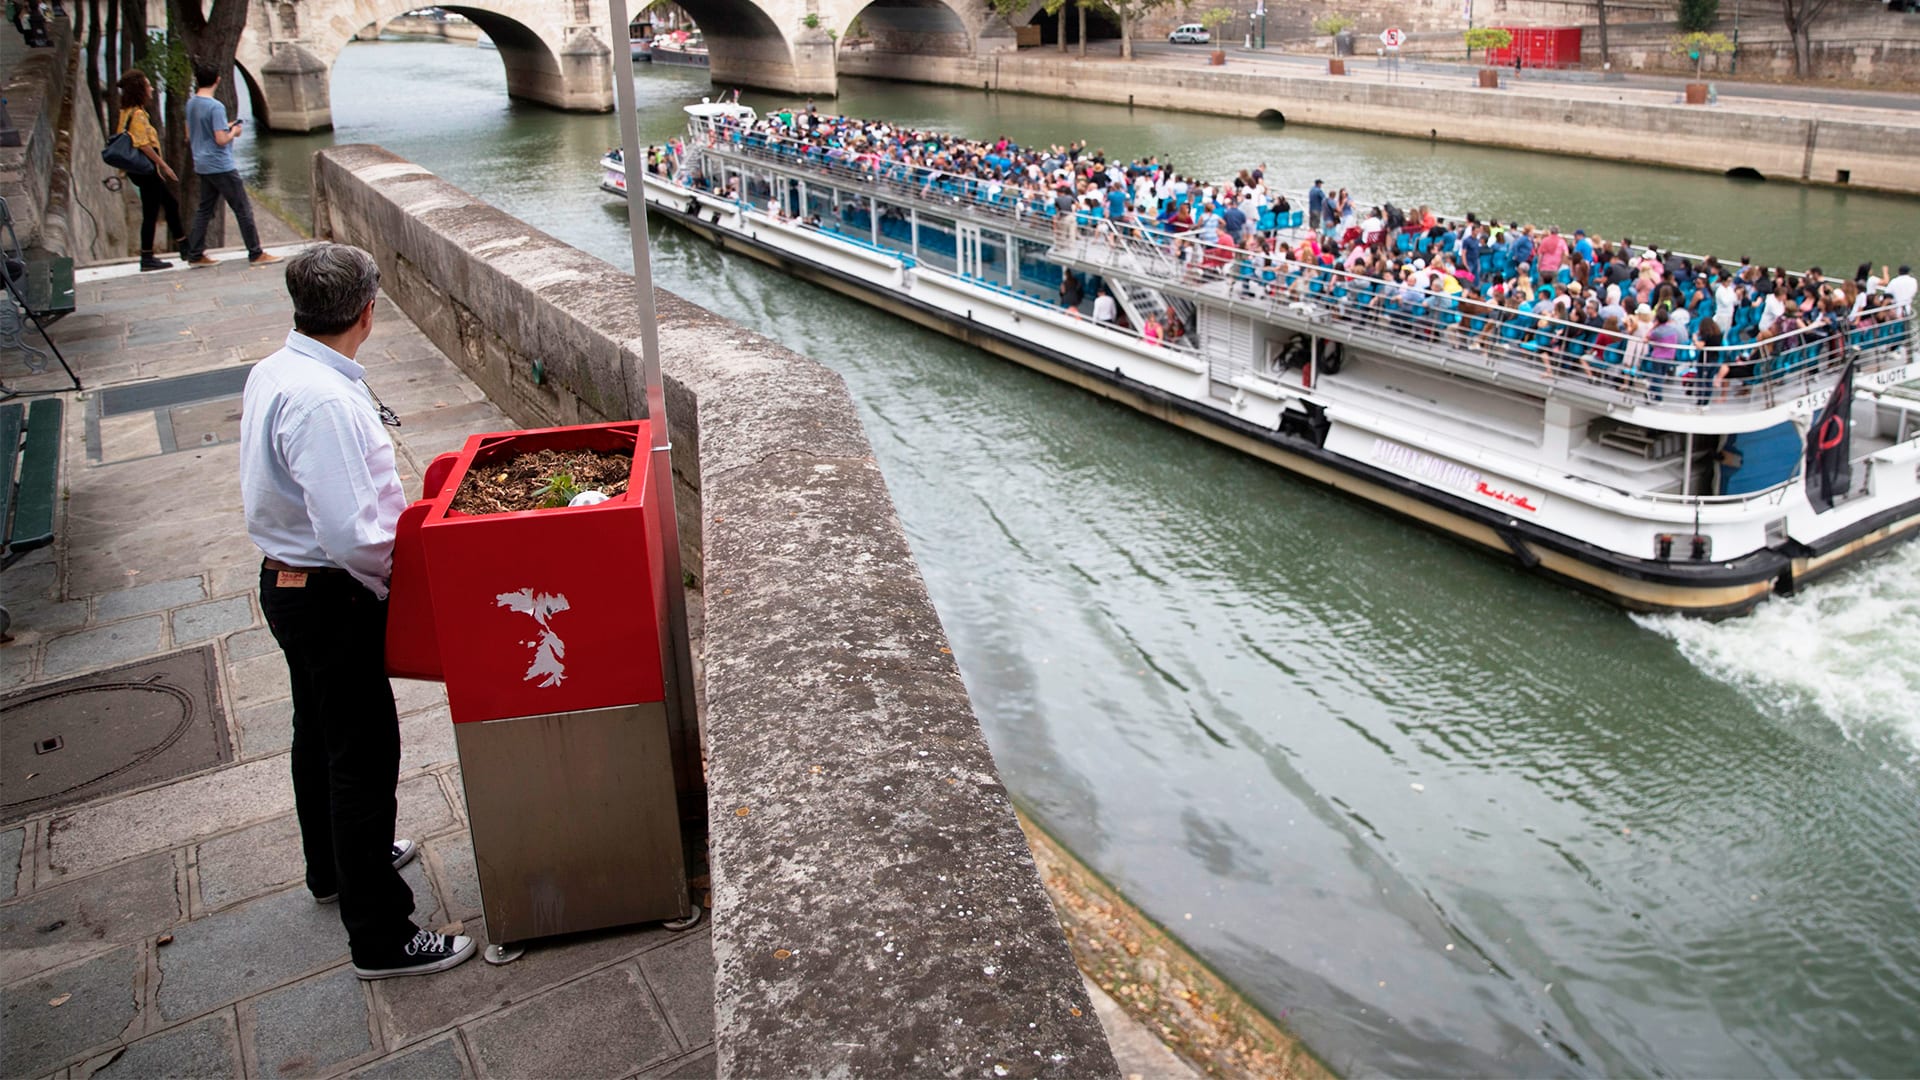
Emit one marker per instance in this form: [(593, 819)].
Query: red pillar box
[(546, 626)]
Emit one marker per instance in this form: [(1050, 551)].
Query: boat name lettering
[(1436, 469), (1442, 471), (1511, 498)]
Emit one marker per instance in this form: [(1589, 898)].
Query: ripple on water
[(1843, 650)]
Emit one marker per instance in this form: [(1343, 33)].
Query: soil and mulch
[(533, 481), (1193, 1011)]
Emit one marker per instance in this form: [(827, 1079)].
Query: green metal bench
[(39, 290), (30, 448)]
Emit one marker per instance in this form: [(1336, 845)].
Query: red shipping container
[(1539, 47), (537, 611)]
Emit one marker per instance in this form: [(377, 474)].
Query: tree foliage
[(1488, 37), (1332, 24), (1697, 16)]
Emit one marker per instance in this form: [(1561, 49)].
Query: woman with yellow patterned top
[(135, 95)]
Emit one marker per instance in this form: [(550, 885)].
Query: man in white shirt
[(321, 496), (1902, 288), (1104, 309)]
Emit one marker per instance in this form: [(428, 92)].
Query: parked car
[(1190, 34)]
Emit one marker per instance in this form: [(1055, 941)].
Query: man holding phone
[(212, 136)]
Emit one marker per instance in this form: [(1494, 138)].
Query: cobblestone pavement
[(164, 930)]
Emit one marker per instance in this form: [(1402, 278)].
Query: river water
[(1439, 816)]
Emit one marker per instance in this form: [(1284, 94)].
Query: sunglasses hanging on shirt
[(387, 416)]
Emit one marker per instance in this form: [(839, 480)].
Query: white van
[(1189, 34)]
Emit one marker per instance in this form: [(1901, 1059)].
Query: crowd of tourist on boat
[(1575, 303)]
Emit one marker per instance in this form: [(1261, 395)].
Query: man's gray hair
[(331, 284)]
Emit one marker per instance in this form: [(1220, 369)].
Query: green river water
[(1439, 816)]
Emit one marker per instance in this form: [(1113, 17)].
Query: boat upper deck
[(1521, 338)]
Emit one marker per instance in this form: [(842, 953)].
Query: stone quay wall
[(1884, 156), (876, 907), (52, 180)]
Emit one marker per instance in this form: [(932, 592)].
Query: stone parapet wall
[(876, 908), (1885, 156), (53, 181)]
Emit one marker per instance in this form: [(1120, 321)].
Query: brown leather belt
[(275, 564)]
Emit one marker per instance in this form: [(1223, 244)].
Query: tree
[(1697, 45), (1487, 38), (209, 37), (1800, 16), (1332, 25), (1128, 14), (1696, 16)]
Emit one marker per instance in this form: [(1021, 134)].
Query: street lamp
[(646, 384)]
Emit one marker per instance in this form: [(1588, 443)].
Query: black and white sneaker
[(404, 852), (427, 953)]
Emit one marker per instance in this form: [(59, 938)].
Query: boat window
[(896, 227), (937, 245)]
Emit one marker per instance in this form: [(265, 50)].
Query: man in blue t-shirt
[(212, 135)]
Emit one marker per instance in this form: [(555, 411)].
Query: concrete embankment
[(1824, 144)]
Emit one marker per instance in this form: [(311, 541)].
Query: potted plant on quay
[(1488, 39), (1334, 26), (1695, 46), (1213, 19)]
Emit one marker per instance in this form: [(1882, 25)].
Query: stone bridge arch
[(554, 51)]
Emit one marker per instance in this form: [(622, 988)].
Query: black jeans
[(215, 187), (155, 199), (346, 752)]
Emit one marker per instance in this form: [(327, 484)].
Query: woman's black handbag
[(120, 153)]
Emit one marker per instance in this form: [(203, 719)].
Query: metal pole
[(647, 386)]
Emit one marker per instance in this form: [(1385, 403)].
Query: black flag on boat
[(1829, 473)]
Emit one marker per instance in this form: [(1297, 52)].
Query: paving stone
[(248, 644), (414, 695), (205, 1048), (44, 618), (155, 596), (256, 860), (437, 1060), (102, 646), (704, 1067), (246, 950), (306, 1028), (265, 728), (681, 975), (423, 808), (265, 857), (542, 1036), (164, 817), (414, 1008), (62, 924), (12, 843), (454, 856), (199, 622), (259, 678), (426, 739), (22, 583), (97, 1002)]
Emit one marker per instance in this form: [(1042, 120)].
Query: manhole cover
[(79, 739)]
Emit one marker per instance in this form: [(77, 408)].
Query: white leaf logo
[(547, 648)]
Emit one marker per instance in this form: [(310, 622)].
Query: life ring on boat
[(1332, 356)]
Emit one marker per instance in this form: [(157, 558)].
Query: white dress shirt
[(316, 466)]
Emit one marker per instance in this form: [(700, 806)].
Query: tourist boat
[(685, 50), (1659, 494)]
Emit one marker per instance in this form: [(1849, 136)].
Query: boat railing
[(1014, 200), (1630, 370)]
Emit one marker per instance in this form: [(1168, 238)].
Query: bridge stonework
[(557, 52)]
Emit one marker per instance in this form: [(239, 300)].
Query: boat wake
[(1843, 648)]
